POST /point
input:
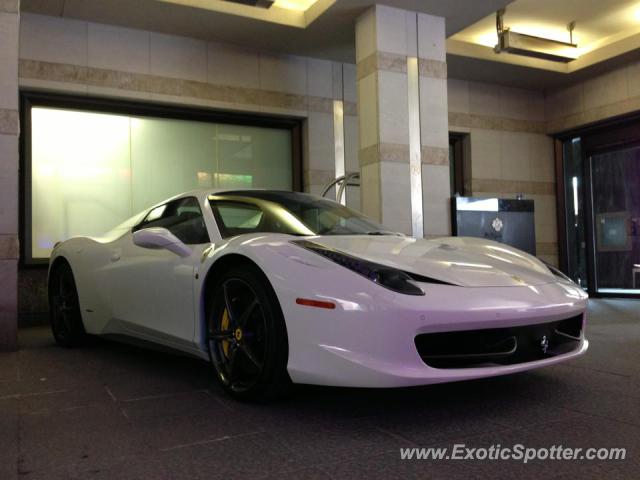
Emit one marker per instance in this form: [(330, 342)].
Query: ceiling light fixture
[(254, 3), (295, 5), (292, 13), (298, 5), (533, 46)]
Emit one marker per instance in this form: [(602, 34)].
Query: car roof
[(202, 193)]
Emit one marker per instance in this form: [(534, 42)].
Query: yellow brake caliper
[(224, 325)]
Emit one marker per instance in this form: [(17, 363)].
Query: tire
[(247, 336), (64, 308)]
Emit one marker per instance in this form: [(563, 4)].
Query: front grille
[(499, 346)]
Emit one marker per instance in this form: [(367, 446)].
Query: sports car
[(275, 288)]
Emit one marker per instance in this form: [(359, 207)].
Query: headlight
[(387, 277)]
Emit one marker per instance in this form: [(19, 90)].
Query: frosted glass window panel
[(254, 157), (170, 157), (92, 171), (81, 177)]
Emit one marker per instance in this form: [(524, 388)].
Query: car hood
[(464, 261)]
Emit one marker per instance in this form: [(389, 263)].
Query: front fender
[(288, 268), (86, 258)]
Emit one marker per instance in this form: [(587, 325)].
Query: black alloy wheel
[(247, 337), (64, 308)]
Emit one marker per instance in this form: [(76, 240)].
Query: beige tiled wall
[(93, 59), (607, 95), (510, 153), (9, 130), (70, 56), (602, 97)]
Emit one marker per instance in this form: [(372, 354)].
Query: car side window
[(236, 218), (182, 217)]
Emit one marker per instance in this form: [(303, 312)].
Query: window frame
[(30, 99)]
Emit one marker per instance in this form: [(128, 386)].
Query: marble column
[(403, 120), (9, 131)]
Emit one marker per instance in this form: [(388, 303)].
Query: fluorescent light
[(574, 182)]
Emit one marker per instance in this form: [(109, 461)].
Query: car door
[(153, 289)]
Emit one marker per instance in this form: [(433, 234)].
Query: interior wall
[(508, 151), (510, 145), (604, 96), (9, 131), (599, 99), (78, 57)]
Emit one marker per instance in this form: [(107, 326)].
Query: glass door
[(615, 204), (575, 213), (599, 207)]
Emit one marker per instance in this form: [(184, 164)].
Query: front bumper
[(369, 340)]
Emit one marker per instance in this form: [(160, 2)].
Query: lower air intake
[(499, 346)]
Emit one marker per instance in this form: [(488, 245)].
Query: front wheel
[(247, 336), (64, 308)]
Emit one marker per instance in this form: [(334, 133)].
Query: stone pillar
[(9, 131), (403, 120)]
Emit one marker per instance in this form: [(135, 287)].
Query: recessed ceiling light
[(298, 5), (294, 13)]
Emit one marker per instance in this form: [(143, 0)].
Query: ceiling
[(331, 35), (598, 22), (607, 31), (482, 70)]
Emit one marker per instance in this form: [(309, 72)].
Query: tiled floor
[(114, 411)]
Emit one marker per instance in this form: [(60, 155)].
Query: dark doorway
[(458, 157)]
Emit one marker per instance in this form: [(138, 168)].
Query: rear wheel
[(64, 308), (247, 336)]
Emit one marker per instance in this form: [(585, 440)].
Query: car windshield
[(252, 211)]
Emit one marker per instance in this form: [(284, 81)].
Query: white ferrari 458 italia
[(275, 288)]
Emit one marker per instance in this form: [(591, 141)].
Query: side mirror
[(158, 237)]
